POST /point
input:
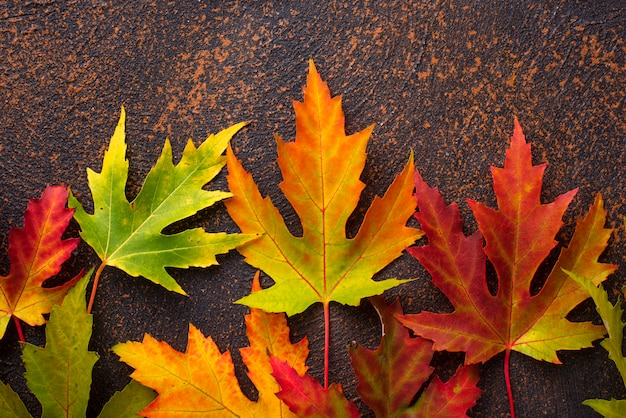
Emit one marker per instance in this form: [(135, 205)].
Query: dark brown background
[(443, 78)]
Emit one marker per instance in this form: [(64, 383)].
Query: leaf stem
[(507, 379), (326, 341), (96, 278), (18, 325)]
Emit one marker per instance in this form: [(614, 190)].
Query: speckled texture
[(441, 78)]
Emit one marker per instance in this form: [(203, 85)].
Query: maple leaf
[(10, 403), (37, 252), (391, 375), (268, 334), (321, 172), (612, 318), (128, 235), (519, 236), (202, 380), (59, 374), (128, 402), (306, 397)]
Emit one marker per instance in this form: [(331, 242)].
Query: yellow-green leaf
[(612, 318), (129, 235), (128, 402), (11, 406), (59, 374)]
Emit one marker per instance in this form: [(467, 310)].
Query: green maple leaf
[(128, 402), (128, 235), (10, 403), (612, 318), (60, 373)]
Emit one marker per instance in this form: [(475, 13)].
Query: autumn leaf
[(321, 172), (389, 379), (612, 318), (10, 403), (306, 397), (451, 398), (202, 380), (128, 402), (268, 334), (37, 252), (128, 235), (59, 374), (519, 236), (391, 375)]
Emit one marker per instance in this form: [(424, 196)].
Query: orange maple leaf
[(37, 253), (202, 380)]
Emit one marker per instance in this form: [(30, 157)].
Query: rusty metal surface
[(441, 78)]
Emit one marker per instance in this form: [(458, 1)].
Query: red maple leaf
[(37, 253), (306, 397), (519, 235)]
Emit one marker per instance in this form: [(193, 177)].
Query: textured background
[(442, 78)]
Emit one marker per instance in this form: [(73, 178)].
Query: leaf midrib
[(28, 270)]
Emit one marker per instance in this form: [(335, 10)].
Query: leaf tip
[(256, 282), (122, 120), (312, 68), (238, 126), (518, 132), (314, 81)]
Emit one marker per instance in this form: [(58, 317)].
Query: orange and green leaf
[(519, 236), (321, 170), (37, 252), (391, 375), (202, 380)]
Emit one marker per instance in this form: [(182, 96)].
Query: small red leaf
[(452, 398), (306, 397), (390, 376)]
